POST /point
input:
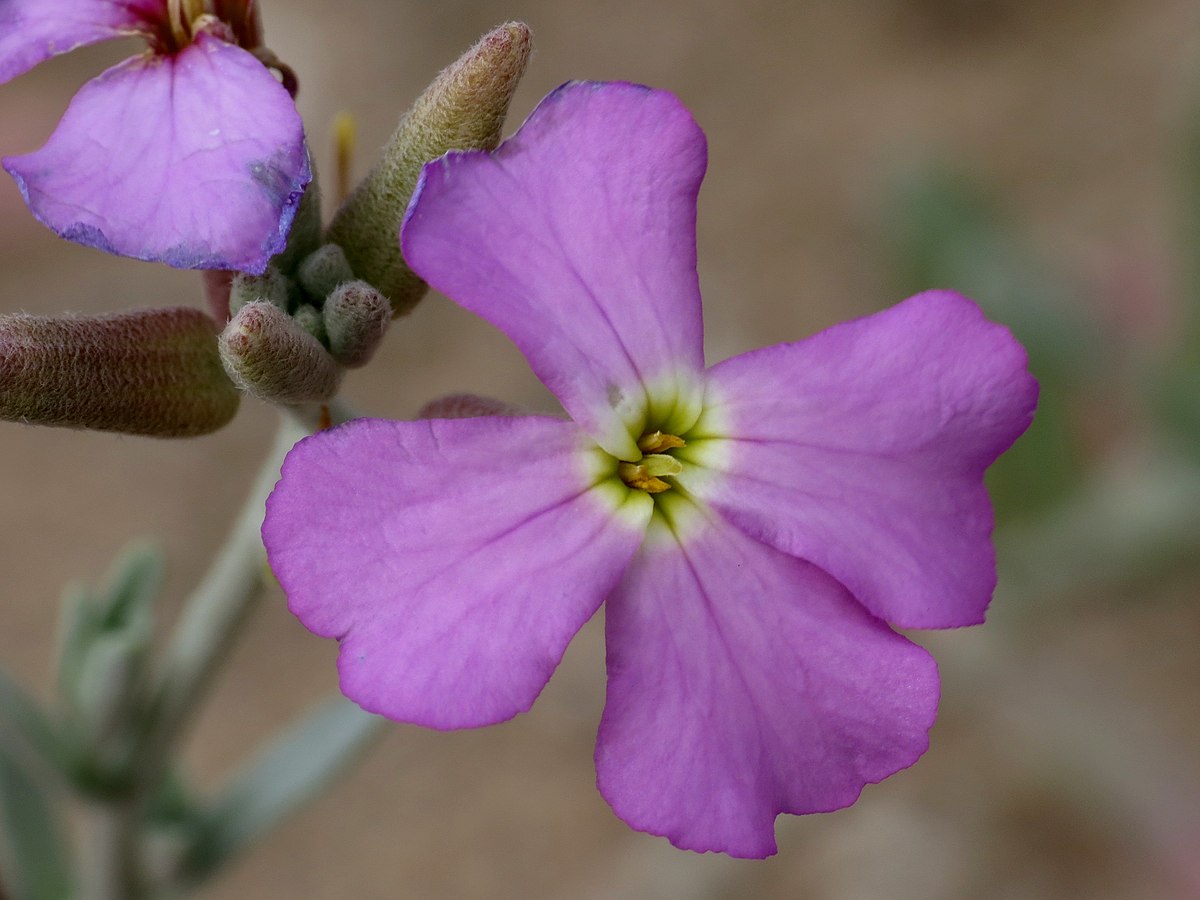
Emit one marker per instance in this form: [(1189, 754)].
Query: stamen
[(657, 442), (178, 18), (636, 476), (647, 474)]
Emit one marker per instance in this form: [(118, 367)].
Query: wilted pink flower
[(753, 526), (191, 154)]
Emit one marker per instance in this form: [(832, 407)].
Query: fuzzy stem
[(110, 866), (225, 596), (218, 606), (211, 618)]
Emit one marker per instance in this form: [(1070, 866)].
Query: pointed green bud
[(271, 286), (150, 371), (323, 270), (463, 109), (309, 318), (270, 356), (356, 318)]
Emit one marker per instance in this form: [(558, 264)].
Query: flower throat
[(647, 474)]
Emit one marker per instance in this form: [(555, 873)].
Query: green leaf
[(133, 583), (123, 606), (36, 864), (290, 771), (24, 728), (942, 232), (1174, 397)]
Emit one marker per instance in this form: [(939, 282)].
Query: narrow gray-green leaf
[(24, 727), (132, 584), (34, 859), (286, 774)]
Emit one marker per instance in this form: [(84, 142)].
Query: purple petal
[(454, 559), (196, 160), (862, 450), (577, 238), (742, 683), (32, 31)]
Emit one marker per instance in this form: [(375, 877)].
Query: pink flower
[(752, 526), (190, 154)]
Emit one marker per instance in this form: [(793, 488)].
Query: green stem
[(217, 608), (211, 618), (110, 865)]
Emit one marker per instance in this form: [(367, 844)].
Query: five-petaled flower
[(191, 154), (753, 526)]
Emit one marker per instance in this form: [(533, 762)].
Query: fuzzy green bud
[(463, 109), (271, 286), (149, 371), (356, 318), (269, 355), (310, 319), (323, 270)]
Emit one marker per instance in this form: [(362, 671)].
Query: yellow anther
[(637, 475), (657, 442)]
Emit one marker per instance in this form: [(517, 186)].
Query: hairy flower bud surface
[(269, 355), (463, 109), (149, 371), (356, 318)]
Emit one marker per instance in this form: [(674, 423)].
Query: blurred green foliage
[(942, 231)]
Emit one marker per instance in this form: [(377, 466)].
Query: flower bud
[(466, 406), (270, 356), (323, 270), (149, 371), (356, 318), (309, 318), (271, 286), (463, 109)]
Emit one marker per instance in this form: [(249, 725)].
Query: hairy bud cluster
[(322, 305)]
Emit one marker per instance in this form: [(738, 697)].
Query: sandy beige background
[(1072, 113)]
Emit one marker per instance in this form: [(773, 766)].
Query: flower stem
[(111, 871), (211, 617), (217, 607)]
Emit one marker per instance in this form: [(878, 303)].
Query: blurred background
[(1043, 158)]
